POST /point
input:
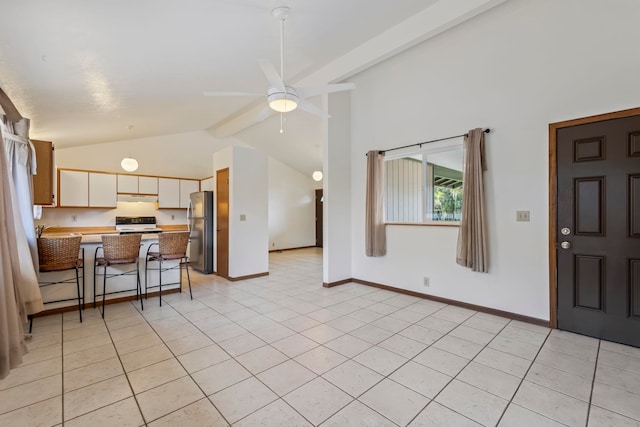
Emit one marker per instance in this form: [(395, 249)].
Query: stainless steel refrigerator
[(200, 220)]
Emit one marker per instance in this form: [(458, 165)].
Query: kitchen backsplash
[(88, 217)]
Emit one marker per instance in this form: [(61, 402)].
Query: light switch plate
[(522, 216), (243, 217)]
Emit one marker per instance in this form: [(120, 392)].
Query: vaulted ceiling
[(88, 72)]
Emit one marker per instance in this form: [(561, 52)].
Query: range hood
[(142, 198)]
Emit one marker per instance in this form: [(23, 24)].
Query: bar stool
[(171, 246), (118, 250), (61, 254)]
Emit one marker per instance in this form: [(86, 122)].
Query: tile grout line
[(522, 381), (456, 375), (135, 398), (289, 359), (62, 364), (189, 374), (593, 381), (301, 293)]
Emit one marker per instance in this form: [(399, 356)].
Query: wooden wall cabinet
[(43, 180)]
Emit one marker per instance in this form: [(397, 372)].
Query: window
[(425, 186)]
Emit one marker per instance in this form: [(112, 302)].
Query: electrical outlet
[(425, 281), (522, 216), (74, 218)]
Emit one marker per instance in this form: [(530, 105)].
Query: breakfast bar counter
[(120, 284)]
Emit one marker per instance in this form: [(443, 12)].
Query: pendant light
[(317, 175), (129, 164)]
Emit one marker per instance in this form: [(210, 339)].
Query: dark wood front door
[(319, 233), (222, 222), (597, 230)]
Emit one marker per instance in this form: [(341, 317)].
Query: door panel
[(598, 229), (319, 231), (222, 221)]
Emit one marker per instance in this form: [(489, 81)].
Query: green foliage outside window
[(447, 203)]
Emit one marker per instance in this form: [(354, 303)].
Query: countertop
[(94, 234)]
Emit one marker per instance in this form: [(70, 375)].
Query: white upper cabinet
[(187, 187), (73, 188), (135, 184), (127, 184), (207, 184), (168, 193), (103, 189), (147, 185)]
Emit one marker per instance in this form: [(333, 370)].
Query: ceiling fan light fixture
[(129, 164), (283, 101)]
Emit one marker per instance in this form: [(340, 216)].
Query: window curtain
[(12, 346), (375, 237), (21, 165), (472, 251)]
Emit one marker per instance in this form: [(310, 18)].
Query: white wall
[(291, 207), (184, 155), (515, 69), (63, 217), (337, 243), (248, 197)]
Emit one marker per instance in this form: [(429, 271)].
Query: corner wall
[(291, 207), (515, 69)]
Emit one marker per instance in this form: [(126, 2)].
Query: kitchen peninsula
[(91, 241)]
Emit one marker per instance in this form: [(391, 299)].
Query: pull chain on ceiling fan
[(281, 97)]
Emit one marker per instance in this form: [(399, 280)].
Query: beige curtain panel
[(375, 239), (472, 251), (12, 315)]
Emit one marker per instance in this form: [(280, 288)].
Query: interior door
[(319, 233), (222, 221), (598, 229)]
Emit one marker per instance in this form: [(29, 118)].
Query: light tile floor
[(283, 351)]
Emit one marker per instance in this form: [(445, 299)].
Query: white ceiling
[(88, 71)]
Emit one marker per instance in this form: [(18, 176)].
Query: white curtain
[(12, 346), (21, 165), (19, 291), (375, 233)]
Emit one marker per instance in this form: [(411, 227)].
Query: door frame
[(217, 222), (553, 208)]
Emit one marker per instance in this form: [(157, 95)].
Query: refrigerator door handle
[(189, 219)]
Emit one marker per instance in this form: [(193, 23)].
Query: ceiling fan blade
[(271, 74), (310, 108), (230, 93), (310, 91), (264, 114)]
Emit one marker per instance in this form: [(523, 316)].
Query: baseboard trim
[(99, 303), (251, 276), (338, 283), (293, 249), (483, 309)]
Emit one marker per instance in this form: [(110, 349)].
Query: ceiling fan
[(281, 97)]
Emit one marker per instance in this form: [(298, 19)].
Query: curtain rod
[(428, 142)]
